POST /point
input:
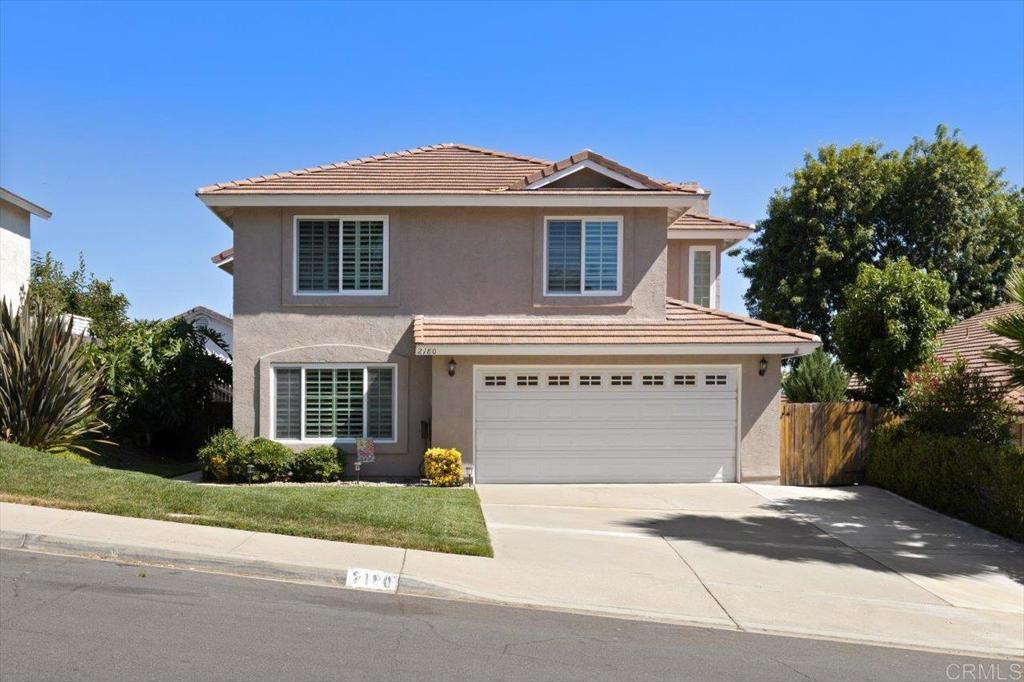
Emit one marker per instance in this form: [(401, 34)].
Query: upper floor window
[(702, 275), (342, 255), (583, 256)]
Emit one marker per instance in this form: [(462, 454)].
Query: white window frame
[(583, 255), (332, 365), (341, 246), (713, 296)]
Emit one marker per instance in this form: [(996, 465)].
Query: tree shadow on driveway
[(859, 527)]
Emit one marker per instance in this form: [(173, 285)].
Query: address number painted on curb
[(366, 579)]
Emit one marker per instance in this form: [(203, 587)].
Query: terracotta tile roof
[(226, 254), (971, 338), (684, 323), (435, 167), (439, 168), (689, 221)]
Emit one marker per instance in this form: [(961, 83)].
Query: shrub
[(220, 453), (270, 461), (320, 463), (443, 466), (48, 387), (951, 400), (979, 482), (816, 378)]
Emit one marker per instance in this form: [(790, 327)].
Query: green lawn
[(435, 519)]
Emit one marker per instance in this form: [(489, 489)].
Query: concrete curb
[(407, 586)]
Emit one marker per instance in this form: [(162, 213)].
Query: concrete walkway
[(855, 564)]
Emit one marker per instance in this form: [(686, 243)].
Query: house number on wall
[(425, 350)]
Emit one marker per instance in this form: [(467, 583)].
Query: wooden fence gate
[(825, 443)]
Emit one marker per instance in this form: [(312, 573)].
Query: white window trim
[(583, 256), (302, 416), (340, 291), (713, 295)]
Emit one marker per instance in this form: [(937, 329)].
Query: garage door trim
[(737, 370)]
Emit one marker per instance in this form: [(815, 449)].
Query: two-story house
[(554, 321)]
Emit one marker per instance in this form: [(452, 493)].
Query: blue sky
[(112, 114)]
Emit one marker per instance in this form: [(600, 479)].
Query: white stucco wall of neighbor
[(15, 250)]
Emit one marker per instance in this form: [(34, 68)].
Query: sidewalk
[(596, 567)]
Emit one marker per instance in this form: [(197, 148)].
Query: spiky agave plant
[(49, 389)]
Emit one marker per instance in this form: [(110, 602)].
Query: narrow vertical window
[(380, 403), (362, 249), (702, 277), (564, 256), (601, 255), (317, 255), (288, 403)]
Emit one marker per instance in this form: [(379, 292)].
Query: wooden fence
[(825, 443)]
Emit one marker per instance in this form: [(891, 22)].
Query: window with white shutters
[(583, 256), (327, 403), (341, 255)]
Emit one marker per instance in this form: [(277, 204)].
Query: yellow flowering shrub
[(443, 466)]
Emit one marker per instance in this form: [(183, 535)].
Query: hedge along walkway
[(433, 519)]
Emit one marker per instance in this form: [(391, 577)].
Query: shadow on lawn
[(835, 529)]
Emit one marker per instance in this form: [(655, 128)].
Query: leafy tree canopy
[(78, 294), (937, 204), (158, 376), (889, 325)]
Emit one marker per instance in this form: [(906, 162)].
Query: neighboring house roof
[(971, 339), (440, 168), (200, 310), (685, 326), (24, 204)]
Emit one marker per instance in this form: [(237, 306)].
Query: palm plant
[(49, 388), (1011, 327)]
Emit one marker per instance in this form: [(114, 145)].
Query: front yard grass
[(440, 520)]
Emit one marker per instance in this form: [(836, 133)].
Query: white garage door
[(605, 424)]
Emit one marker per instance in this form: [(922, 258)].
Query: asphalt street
[(80, 619)]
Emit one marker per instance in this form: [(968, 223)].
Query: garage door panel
[(608, 469), (604, 436), (630, 407), (589, 430)]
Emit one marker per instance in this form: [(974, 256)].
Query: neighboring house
[(553, 321), (201, 316), (16, 242), (971, 339)]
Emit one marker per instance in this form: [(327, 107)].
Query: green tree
[(816, 378), (937, 204), (889, 325), (1011, 327), (159, 377), (77, 293)]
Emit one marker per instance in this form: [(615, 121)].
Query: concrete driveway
[(847, 563)]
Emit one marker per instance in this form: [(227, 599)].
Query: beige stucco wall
[(452, 401), (443, 261), (678, 274), (15, 250)]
